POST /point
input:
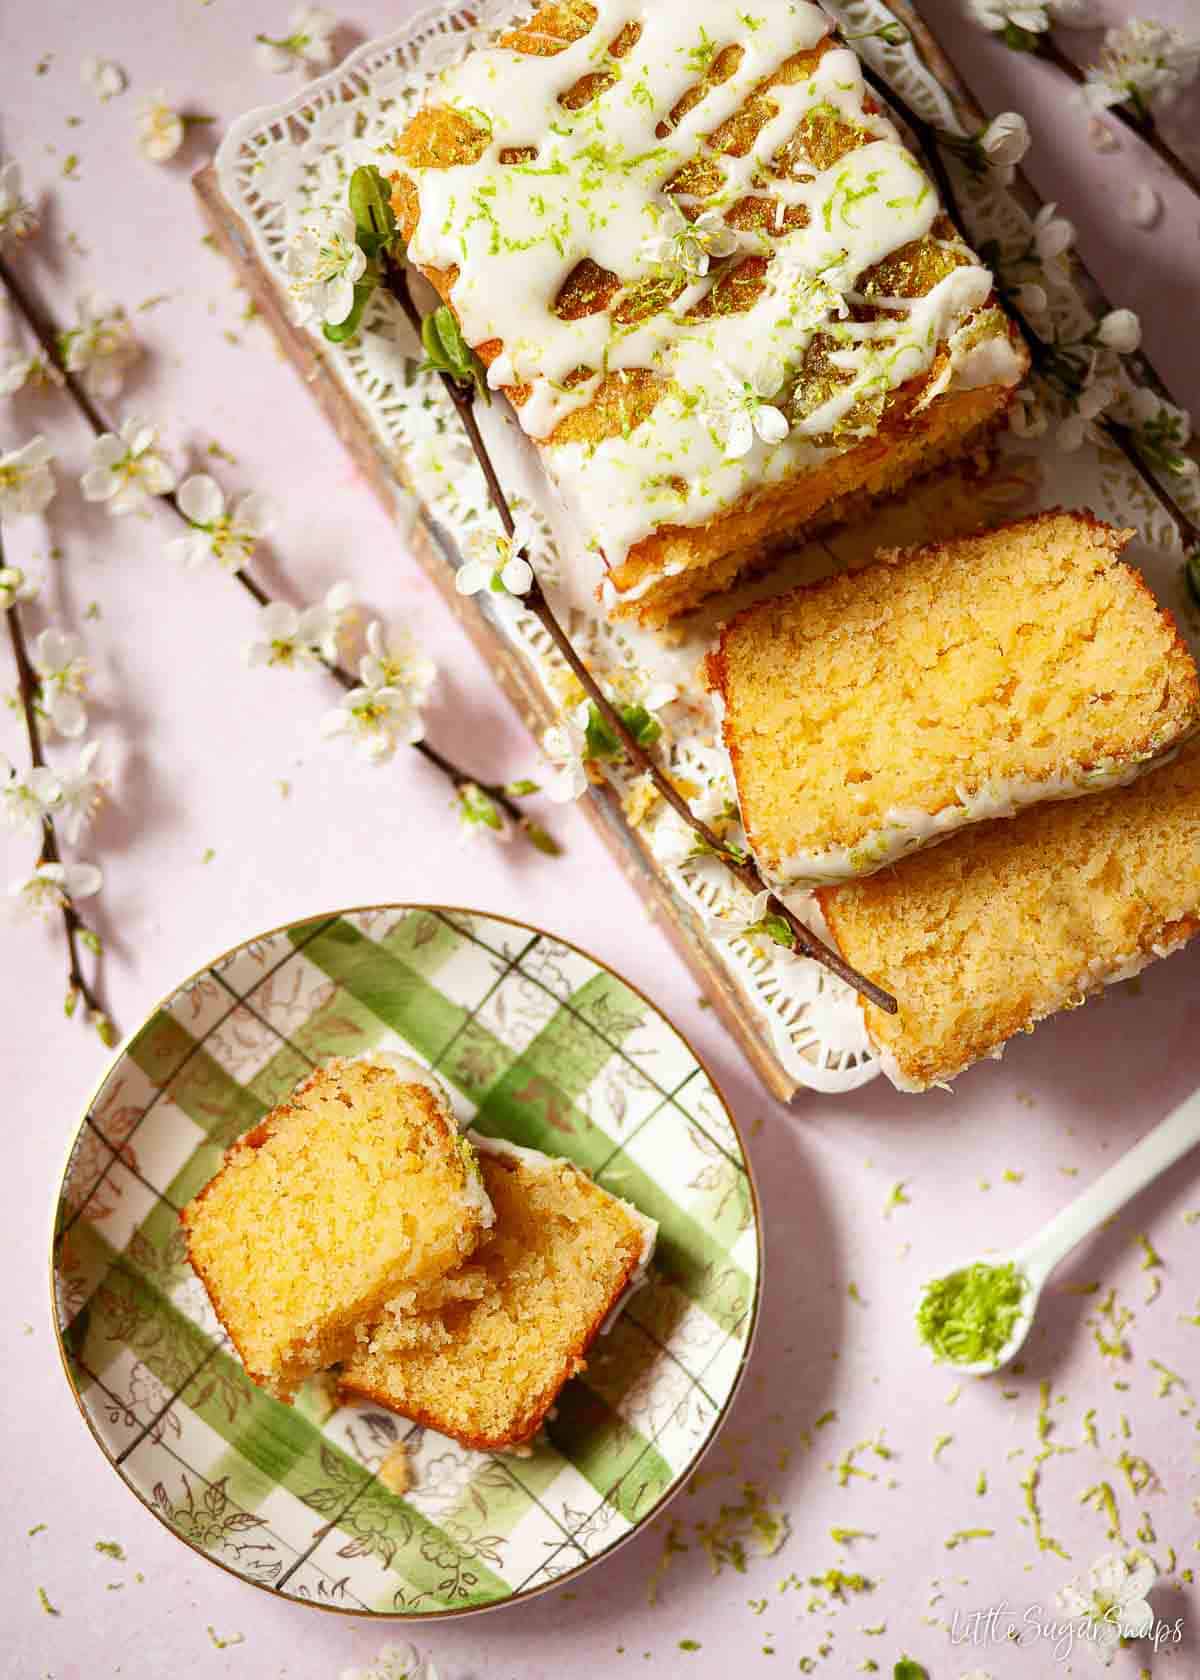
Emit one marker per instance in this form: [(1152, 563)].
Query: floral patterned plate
[(540, 1044)]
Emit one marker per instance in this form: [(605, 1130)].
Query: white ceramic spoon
[(1037, 1258)]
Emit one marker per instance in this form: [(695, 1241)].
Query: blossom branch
[(1042, 352), (48, 337), (76, 930), (779, 921), (1134, 113)]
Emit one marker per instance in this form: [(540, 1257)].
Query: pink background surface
[(196, 745)]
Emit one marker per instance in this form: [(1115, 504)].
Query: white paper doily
[(277, 161)]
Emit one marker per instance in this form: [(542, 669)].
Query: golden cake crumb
[(1008, 922), (876, 711), (395, 1472), (485, 1369), (355, 1188)]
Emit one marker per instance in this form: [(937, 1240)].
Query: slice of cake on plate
[(355, 1189), (1006, 923), (875, 712), (718, 288), (484, 1362)]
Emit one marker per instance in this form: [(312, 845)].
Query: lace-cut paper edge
[(813, 1021)]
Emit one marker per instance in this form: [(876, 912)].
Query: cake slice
[(485, 1362), (1007, 923), (714, 282), (875, 712), (356, 1188)]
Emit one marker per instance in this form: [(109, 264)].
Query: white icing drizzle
[(535, 1161), (906, 830), (596, 189)]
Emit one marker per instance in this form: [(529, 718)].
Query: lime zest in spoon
[(968, 1317)]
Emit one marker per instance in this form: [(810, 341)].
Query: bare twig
[(803, 940), (78, 985), (44, 330)]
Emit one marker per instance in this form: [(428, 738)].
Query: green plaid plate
[(538, 1043)]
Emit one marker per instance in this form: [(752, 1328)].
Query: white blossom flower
[(394, 1662), (1091, 402), (1141, 62), (1027, 417), (478, 814), (51, 886), (18, 219), (672, 840), (160, 128), (1035, 17), (741, 412), (323, 262), (1004, 142), (101, 346), (1053, 235), (378, 720), (26, 481), (1033, 303), (813, 291), (683, 249), (105, 79), (287, 635), (1162, 431), (1113, 1603), (494, 561), (36, 371), (27, 799), (565, 745), (230, 537), (1143, 206), (739, 919), (125, 469), (396, 663), (15, 586), (1120, 330), (59, 660), (80, 794), (309, 41)]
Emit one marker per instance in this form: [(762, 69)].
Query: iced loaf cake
[(719, 290)]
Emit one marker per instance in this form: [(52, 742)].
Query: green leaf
[(907, 1669), (447, 351), (537, 837), (339, 333), (70, 1001), (370, 197), (776, 928), (518, 790), (479, 808), (91, 940), (641, 724), (1191, 573), (602, 740), (1020, 40), (105, 1030)]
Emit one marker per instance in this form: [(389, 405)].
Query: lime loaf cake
[(717, 287), (1006, 923), (873, 713), (355, 1189), (485, 1360)]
